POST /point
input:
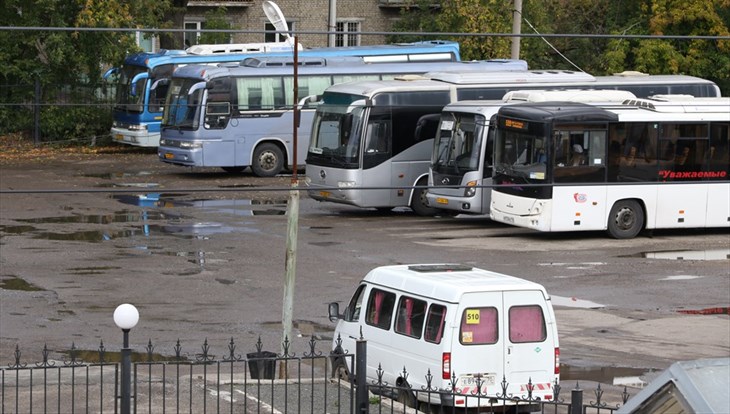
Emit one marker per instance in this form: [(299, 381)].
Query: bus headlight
[(138, 127), (190, 144), (470, 189), (346, 184)]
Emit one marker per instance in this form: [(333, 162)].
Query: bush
[(60, 123)]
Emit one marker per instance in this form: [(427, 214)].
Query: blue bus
[(143, 78), (234, 117)]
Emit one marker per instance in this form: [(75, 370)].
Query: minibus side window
[(526, 324), (435, 323), (380, 308), (409, 317), (352, 313), (479, 326)]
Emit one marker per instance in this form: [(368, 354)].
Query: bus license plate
[(442, 200), (169, 156), (119, 137), (325, 194), (508, 219)]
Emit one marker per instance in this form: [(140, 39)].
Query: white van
[(446, 320)]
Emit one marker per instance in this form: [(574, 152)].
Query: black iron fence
[(258, 382)]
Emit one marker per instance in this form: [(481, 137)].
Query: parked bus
[(391, 125), (460, 175), (242, 116), (656, 163), (143, 78)]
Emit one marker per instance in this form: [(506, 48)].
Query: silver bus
[(371, 142), (240, 116)]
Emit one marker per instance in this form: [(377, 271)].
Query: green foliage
[(60, 57), (216, 20), (416, 16), (599, 56), (66, 122)]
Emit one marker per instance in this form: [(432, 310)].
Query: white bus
[(240, 116), (656, 163), (460, 175), (371, 142)]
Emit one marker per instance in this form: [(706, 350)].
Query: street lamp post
[(126, 317)]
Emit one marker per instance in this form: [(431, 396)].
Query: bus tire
[(626, 219), (233, 170), (268, 160), (419, 202)]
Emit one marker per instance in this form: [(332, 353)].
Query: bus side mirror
[(334, 311)]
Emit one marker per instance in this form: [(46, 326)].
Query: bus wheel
[(419, 203), (233, 170), (268, 160), (626, 219)]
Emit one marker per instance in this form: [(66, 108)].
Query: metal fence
[(259, 382)]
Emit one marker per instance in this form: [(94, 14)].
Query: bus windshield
[(125, 100), (520, 154), (336, 134), (183, 108), (458, 147)]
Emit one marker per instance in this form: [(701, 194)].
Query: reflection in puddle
[(93, 236), (236, 207), (711, 254), (116, 217), (630, 377)]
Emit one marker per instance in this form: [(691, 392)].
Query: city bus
[(235, 117), (654, 163), (143, 79), (460, 175), (391, 125)]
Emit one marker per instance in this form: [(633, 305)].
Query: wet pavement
[(202, 253)]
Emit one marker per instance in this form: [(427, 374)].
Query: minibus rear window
[(380, 308), (526, 324), (479, 326)]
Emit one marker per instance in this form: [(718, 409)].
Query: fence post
[(37, 112), (362, 405), (576, 400)]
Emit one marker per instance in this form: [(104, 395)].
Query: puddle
[(198, 230), (711, 254), (93, 356), (16, 229), (112, 175), (630, 377), (116, 217), (16, 283), (236, 207), (707, 311), (93, 236), (100, 270)]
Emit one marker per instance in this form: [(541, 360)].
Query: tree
[(216, 20), (57, 58)]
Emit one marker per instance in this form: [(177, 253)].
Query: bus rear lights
[(446, 365), (577, 214), (346, 184)]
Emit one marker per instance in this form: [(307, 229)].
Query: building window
[(276, 37), (348, 34), (191, 37)]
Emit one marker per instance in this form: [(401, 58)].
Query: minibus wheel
[(405, 394), (268, 160)]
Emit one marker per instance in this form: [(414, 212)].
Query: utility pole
[(332, 23), (516, 28)]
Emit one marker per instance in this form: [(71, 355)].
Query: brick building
[(352, 17)]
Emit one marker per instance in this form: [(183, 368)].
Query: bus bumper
[(136, 138)]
